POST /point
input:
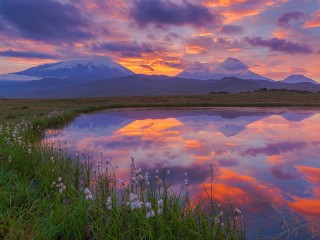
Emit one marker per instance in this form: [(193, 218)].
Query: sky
[(275, 38)]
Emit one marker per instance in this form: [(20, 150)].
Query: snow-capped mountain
[(298, 79), (231, 67), (94, 69)]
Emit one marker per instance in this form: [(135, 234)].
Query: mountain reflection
[(264, 160)]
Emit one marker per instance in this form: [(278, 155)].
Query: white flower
[(89, 197), (160, 203), (59, 179), (109, 203), (237, 211), (186, 181), (88, 194), (148, 205), (152, 213), (86, 191)]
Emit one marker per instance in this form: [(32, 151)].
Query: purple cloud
[(231, 29), (280, 171), (166, 12), (285, 19), (126, 48), (26, 54), (276, 148), (48, 21), (280, 45)]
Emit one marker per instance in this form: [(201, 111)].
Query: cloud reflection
[(255, 158)]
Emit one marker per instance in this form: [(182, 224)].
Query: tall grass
[(46, 193)]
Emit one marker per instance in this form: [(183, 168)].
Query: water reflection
[(267, 161)]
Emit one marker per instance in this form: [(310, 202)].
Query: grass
[(31, 207), (13, 110)]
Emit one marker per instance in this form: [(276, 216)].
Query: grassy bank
[(14, 109), (47, 194)]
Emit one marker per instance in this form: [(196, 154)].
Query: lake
[(265, 161)]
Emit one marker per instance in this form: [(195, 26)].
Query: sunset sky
[(276, 38)]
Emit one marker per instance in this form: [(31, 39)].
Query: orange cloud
[(193, 49), (193, 144), (315, 22), (312, 174), (232, 10), (308, 206), (153, 129)]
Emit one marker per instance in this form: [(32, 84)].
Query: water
[(265, 161)]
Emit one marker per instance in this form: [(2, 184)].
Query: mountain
[(298, 79), (142, 85), (231, 67), (90, 69)]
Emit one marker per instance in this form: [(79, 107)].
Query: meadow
[(45, 193)]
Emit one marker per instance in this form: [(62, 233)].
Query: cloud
[(126, 48), (280, 45), (231, 29), (147, 67), (26, 54), (314, 22), (285, 19), (47, 21), (166, 12), (280, 171), (276, 148)]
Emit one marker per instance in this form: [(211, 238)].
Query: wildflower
[(88, 194), (237, 214), (146, 176), (168, 172), (186, 174), (222, 225), (60, 185), (237, 211), (160, 206), (216, 220), (109, 203), (134, 202), (186, 182), (150, 212)]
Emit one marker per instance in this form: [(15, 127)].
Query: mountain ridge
[(231, 67)]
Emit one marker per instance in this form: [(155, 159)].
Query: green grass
[(13, 110)]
